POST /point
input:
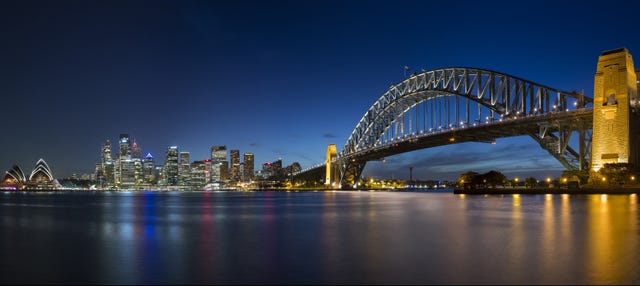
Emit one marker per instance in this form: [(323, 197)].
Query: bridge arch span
[(441, 101), (499, 93)]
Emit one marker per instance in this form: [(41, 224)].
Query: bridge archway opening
[(451, 160)]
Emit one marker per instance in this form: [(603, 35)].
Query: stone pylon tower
[(330, 175), (615, 100)]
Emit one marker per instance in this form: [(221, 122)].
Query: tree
[(494, 178), (618, 173), (530, 182), (469, 180), (582, 175)]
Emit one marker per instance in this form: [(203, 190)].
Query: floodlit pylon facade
[(615, 110)]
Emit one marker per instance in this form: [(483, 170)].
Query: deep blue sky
[(281, 79)]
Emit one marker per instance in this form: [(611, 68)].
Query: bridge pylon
[(615, 135), (331, 176)]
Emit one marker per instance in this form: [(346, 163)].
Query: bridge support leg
[(350, 173)]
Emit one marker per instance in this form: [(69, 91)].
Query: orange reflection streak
[(518, 245), (612, 231), (548, 235)]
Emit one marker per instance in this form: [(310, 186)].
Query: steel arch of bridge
[(441, 100)]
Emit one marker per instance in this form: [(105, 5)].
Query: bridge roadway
[(485, 132)]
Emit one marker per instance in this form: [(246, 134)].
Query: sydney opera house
[(40, 178)]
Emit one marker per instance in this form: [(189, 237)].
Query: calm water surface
[(318, 238)]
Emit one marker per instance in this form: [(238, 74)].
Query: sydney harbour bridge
[(454, 105)]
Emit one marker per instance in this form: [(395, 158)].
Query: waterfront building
[(267, 171), (292, 169), (170, 172), (200, 173), (247, 173), (276, 168), (160, 176), (136, 151), (99, 175), (234, 156), (107, 167), (14, 179), (219, 164), (184, 169), (125, 146), (42, 177), (128, 173), (124, 154), (138, 171), (149, 172)]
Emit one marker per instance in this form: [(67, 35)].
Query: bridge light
[(452, 139), (575, 103)]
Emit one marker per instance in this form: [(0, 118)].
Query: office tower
[(276, 168), (199, 173), (124, 154), (99, 175), (106, 153), (234, 156), (107, 164), (267, 170), (138, 170), (219, 164), (125, 146), (184, 169), (149, 169), (136, 151), (171, 166), (128, 172), (247, 174)]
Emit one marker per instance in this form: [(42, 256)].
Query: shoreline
[(622, 190)]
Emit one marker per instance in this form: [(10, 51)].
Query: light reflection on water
[(318, 238)]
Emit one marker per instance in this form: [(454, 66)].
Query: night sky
[(281, 79)]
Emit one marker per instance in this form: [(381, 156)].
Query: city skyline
[(277, 79)]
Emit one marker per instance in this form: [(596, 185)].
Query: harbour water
[(329, 237)]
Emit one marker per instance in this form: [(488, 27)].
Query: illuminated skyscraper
[(234, 156), (136, 150), (171, 166), (106, 152), (149, 169), (125, 146), (185, 169), (125, 154), (107, 164), (128, 173), (247, 175), (199, 173), (219, 164)]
